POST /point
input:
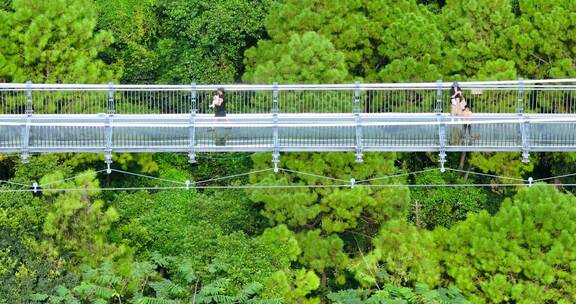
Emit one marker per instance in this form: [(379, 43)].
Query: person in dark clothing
[(220, 103), (456, 99)]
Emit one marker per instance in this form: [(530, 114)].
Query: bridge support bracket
[(275, 140), (192, 138), (525, 132), (442, 142), (26, 130), (26, 140), (108, 149), (358, 120)]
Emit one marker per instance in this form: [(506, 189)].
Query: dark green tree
[(53, 42), (523, 254), (444, 206)]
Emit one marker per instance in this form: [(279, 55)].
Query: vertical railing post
[(192, 126), (520, 102), (358, 120), (438, 107), (26, 129), (29, 106), (111, 109), (275, 140), (109, 121), (524, 126)]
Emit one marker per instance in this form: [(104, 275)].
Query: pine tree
[(53, 42)]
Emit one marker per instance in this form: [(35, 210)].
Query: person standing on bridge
[(456, 99), (466, 127), (219, 103)]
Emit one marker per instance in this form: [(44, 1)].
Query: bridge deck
[(295, 132)]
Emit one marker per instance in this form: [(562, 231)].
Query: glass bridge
[(519, 115)]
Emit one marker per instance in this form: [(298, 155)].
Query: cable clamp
[(108, 161), (275, 160)]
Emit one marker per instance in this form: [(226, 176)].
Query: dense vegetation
[(314, 245)]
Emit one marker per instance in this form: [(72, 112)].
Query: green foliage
[(407, 41), (283, 241), (502, 164), (182, 41), (54, 42), (211, 246), (78, 223), (444, 206), (472, 30), (61, 295), (140, 282), (358, 43), (402, 45), (401, 295), (523, 254), (306, 58), (402, 255), (206, 229), (142, 162), (26, 267), (541, 40), (135, 26), (293, 286), (332, 209), (322, 252)]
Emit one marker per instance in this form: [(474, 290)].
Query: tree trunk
[(323, 284), (417, 215), (462, 160)]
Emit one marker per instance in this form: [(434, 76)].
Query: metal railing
[(520, 115), (529, 96)]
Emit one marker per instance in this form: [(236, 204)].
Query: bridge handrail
[(569, 83), (511, 96)]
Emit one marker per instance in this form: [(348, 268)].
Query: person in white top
[(466, 128)]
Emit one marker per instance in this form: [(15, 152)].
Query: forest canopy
[(308, 245)]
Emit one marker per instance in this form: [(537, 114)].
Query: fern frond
[(166, 289), (265, 301), (223, 299), (159, 259), (186, 271), (101, 292), (149, 300), (248, 291), (38, 297)]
